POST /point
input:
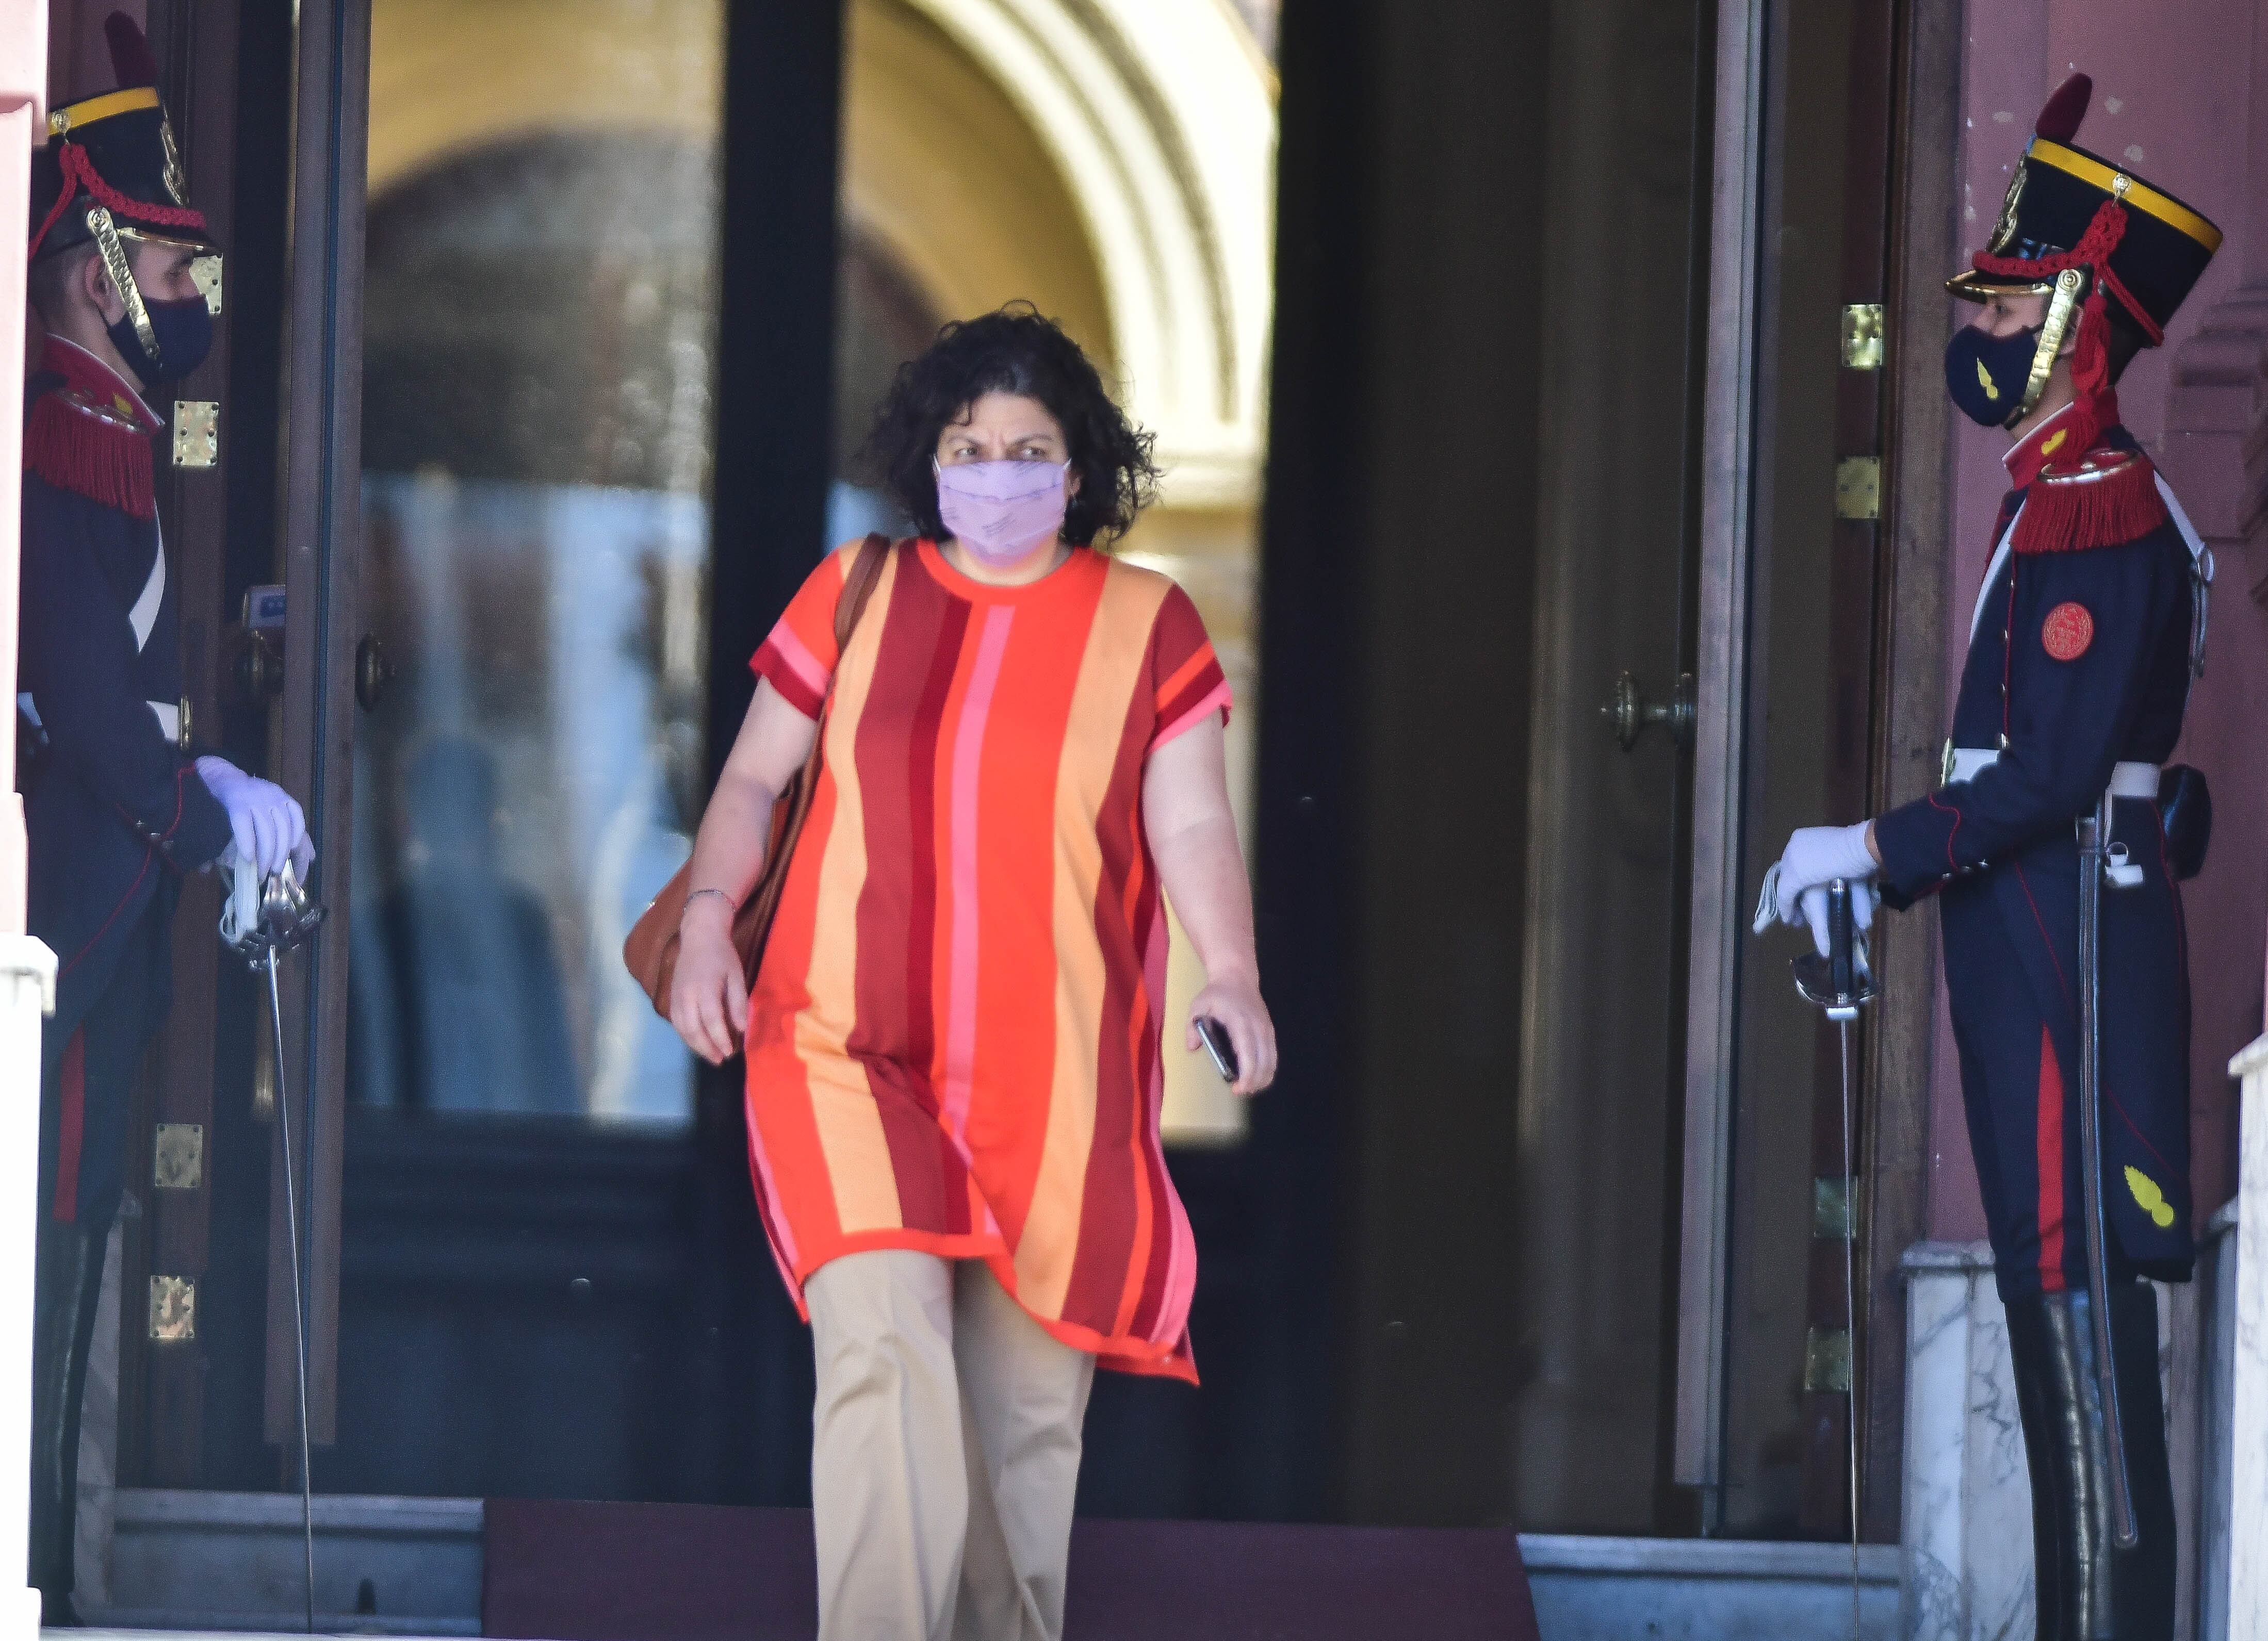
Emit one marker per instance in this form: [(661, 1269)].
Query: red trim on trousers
[(2049, 1122), (73, 1127)]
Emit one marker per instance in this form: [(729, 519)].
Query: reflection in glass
[(539, 323)]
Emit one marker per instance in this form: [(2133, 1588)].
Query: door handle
[(373, 672), (1628, 713)]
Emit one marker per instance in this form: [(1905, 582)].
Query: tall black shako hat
[(110, 170), (2086, 232)]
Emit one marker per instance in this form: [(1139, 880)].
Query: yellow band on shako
[(72, 116), (2137, 194)]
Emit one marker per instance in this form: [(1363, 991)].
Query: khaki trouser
[(944, 1454)]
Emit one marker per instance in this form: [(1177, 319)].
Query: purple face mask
[(1002, 511)]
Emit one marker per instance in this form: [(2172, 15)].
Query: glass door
[(1789, 692), (530, 1300)]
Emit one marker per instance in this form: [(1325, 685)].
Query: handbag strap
[(857, 587)]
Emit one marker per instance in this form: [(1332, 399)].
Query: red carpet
[(692, 1573)]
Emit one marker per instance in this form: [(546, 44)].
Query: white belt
[(2127, 780)]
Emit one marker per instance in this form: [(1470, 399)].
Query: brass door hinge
[(172, 1309), (1830, 1209), (1827, 1360), (206, 271), (1858, 487), (1862, 335), (181, 1157), (197, 433)]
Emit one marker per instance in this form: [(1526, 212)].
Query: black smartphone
[(1214, 1035)]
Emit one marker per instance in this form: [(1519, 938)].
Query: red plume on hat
[(2060, 119), (132, 60)]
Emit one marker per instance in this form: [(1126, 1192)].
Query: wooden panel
[(1720, 664), (1910, 697), (322, 527)]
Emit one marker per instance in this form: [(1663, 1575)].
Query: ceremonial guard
[(116, 805), (2057, 840)]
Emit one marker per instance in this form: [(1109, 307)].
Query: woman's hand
[(1193, 838), (708, 996), (1234, 1003)]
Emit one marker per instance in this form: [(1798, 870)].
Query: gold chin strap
[(121, 275), (2063, 304)]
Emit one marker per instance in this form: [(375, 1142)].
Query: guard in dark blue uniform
[(117, 806), (2086, 636)]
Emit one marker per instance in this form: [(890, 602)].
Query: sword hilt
[(1842, 963), (1835, 983)]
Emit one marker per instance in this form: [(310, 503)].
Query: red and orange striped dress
[(953, 1042)]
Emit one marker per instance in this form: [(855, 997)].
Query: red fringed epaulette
[(2106, 498), (91, 449)]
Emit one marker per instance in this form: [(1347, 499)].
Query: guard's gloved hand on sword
[(1795, 886), (266, 824)]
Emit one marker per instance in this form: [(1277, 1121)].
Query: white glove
[(1795, 887), (265, 821)]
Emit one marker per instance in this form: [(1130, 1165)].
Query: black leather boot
[(63, 1329), (2085, 1588)]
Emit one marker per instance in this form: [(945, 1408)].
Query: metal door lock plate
[(1858, 487), (181, 1161), (172, 1309), (197, 433)]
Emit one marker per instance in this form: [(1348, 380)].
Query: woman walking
[(955, 1039)]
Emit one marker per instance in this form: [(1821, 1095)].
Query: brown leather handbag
[(651, 951)]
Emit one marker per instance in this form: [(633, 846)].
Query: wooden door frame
[(1720, 666), (1908, 706), (322, 543), (1915, 565)]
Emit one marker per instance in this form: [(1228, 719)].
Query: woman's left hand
[(1234, 1003)]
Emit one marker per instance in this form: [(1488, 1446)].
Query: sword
[(285, 917), (1840, 983), (2094, 829)]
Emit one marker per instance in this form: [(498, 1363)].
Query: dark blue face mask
[(184, 331), (1987, 375)]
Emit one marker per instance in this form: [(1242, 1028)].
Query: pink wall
[(2181, 91)]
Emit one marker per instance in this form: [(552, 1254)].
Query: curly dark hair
[(1013, 350)]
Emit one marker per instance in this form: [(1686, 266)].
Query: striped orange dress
[(953, 1042)]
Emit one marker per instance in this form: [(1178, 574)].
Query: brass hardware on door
[(1862, 337), (256, 665), (206, 272), (1830, 1209), (373, 672), (1858, 487), (172, 1309), (1827, 1360), (181, 1157), (1630, 713), (197, 433)]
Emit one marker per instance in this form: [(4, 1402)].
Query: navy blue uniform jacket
[(114, 808), (2080, 660)]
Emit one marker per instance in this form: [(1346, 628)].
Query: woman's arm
[(708, 996), (1192, 839)]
